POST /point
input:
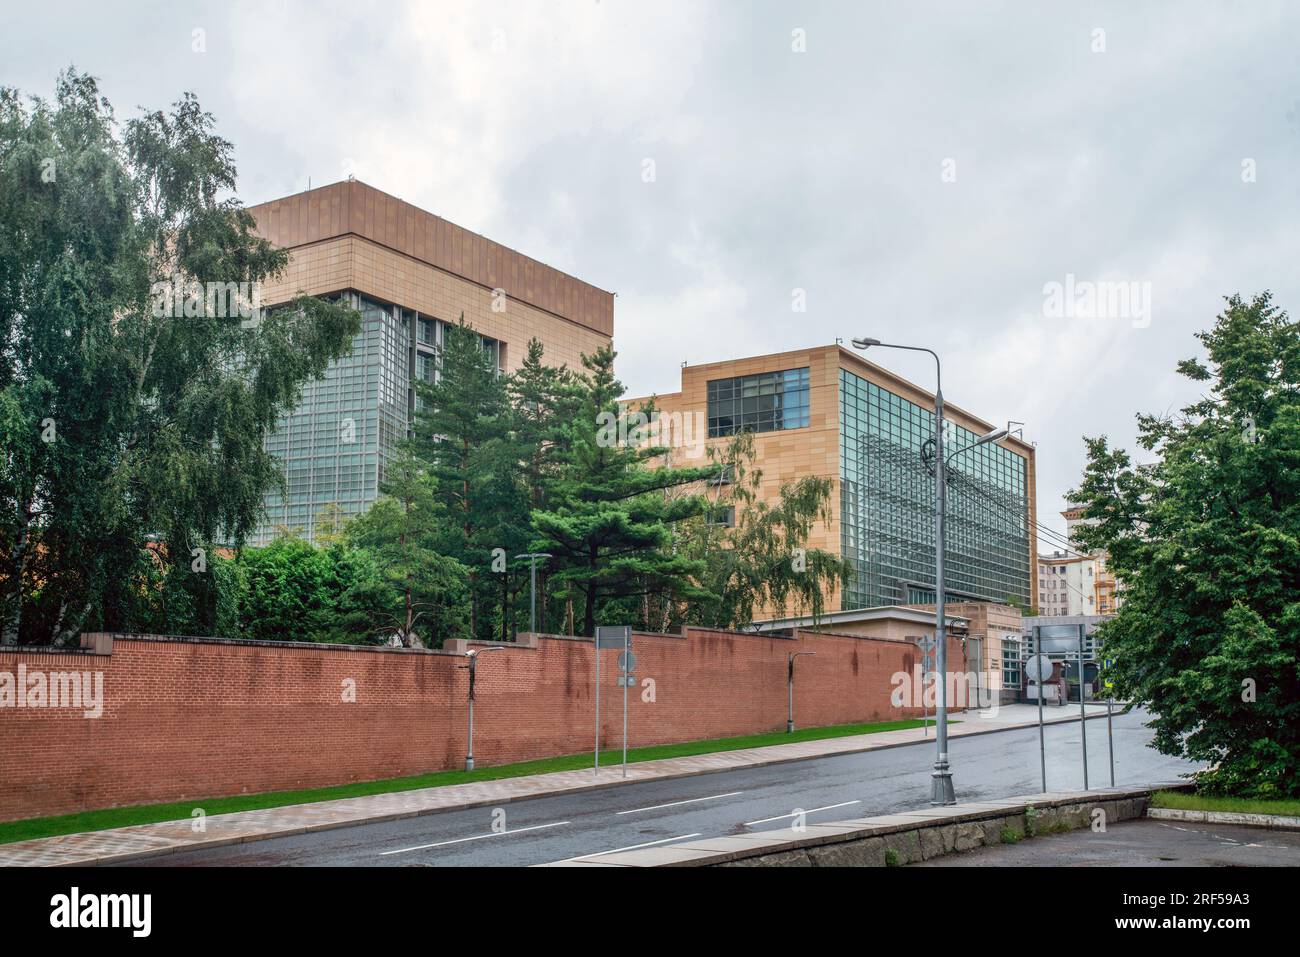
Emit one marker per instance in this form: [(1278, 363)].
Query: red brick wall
[(186, 719)]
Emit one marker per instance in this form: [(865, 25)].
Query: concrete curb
[(241, 827), (1277, 822), (893, 839)]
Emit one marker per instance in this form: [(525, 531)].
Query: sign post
[(1110, 731), (1063, 640), (626, 662), (926, 644), (1083, 713), (610, 636), (1039, 667)]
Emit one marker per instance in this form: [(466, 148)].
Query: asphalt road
[(547, 829)]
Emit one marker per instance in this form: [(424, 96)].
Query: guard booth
[(1091, 679)]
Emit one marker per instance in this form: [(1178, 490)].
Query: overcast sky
[(922, 171)]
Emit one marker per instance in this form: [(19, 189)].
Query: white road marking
[(633, 847), (782, 817), (476, 837), (657, 807)]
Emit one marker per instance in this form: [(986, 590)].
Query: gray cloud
[(821, 170)]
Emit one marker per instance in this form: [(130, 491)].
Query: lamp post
[(941, 789), (532, 586), (789, 681), (473, 674)]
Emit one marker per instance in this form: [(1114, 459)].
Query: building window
[(1010, 662), (493, 348), (767, 402), (724, 516), (428, 332)]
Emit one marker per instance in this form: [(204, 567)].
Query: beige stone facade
[(789, 454), (350, 236)]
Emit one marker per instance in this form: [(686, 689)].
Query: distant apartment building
[(1073, 583), (827, 411), (410, 273)]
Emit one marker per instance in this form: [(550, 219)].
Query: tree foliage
[(761, 565), (124, 426), (427, 598), (465, 436), (607, 521), (1205, 539), (291, 590), (133, 414)]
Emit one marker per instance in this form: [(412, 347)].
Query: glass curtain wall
[(887, 506), (335, 444)]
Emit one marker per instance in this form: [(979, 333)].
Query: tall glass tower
[(409, 272), (335, 445)]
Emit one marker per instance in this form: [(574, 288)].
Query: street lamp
[(473, 674), (532, 586), (941, 791), (789, 687)]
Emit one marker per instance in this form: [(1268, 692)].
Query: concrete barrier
[(897, 839)]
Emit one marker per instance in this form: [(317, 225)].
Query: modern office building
[(827, 411), (410, 273)]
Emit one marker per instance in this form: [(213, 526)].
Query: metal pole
[(596, 767), (627, 680), (1083, 713), (532, 586), (1042, 744), (789, 687), (926, 672), (941, 782), (532, 597), (469, 750), (942, 789), (1110, 739), (505, 606)]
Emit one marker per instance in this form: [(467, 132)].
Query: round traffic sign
[(626, 661), (1038, 668)]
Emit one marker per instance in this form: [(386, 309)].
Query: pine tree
[(544, 398), (606, 519), (464, 433)]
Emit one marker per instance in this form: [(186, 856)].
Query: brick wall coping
[(47, 650), (101, 643), (846, 634)]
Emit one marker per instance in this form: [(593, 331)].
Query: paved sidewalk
[(145, 840)]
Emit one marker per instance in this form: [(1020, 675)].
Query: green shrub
[(1031, 821)]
